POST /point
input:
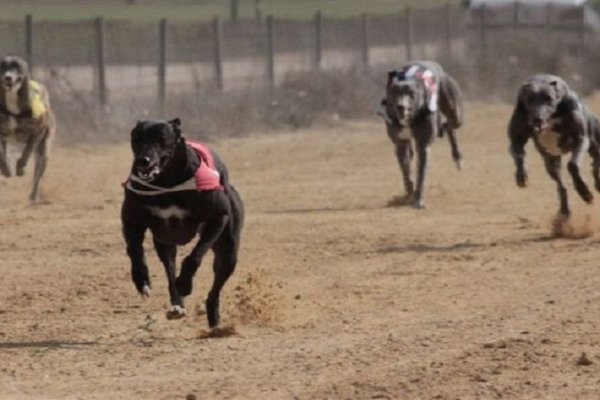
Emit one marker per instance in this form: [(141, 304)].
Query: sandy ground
[(336, 295)]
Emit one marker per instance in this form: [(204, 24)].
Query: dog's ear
[(390, 77), (136, 128), (560, 88), (520, 107), (176, 126)]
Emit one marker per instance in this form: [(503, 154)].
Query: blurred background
[(230, 67)]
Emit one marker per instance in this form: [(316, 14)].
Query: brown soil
[(337, 295)]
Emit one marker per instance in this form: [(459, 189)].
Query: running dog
[(422, 101), (551, 114), (179, 189), (25, 117)]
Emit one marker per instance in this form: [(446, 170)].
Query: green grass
[(206, 9)]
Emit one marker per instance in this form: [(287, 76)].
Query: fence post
[(448, 24), (408, 33), (29, 41), (100, 59), (270, 54), (218, 33), (234, 10), (515, 19), (258, 13), (318, 39), (582, 31), (162, 64), (365, 40), (482, 32)]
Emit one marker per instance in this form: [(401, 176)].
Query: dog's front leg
[(518, 134), (552, 164), (167, 254), (209, 235), (4, 167), (134, 238), (404, 155), (32, 142), (424, 134), (573, 167)]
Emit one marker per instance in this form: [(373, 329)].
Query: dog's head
[(539, 98), (154, 144), (404, 98), (13, 73)]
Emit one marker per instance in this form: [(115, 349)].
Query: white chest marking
[(169, 212), (12, 105), (548, 140)]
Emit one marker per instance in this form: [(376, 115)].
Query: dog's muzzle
[(145, 169), (9, 82)]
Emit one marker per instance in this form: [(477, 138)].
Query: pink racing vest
[(207, 176)]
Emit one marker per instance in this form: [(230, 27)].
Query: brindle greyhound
[(551, 114), (25, 117), (179, 189), (422, 101)]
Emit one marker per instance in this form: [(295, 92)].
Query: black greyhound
[(179, 189), (551, 114)]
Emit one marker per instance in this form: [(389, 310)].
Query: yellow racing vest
[(38, 108)]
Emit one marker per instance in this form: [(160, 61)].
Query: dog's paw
[(183, 285), (176, 312), (588, 197), (6, 172), (521, 179), (143, 287), (419, 205)]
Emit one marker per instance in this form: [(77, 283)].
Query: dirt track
[(336, 296)]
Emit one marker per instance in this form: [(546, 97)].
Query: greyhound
[(551, 114), (179, 189), (422, 101), (25, 117)]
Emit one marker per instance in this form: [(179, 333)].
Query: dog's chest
[(172, 223), (549, 141)]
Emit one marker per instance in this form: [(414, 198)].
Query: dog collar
[(153, 190)]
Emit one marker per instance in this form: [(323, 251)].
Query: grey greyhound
[(422, 101), (551, 114), (25, 117)]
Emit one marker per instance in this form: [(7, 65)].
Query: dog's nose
[(143, 161), (537, 121), (401, 110), (7, 78)]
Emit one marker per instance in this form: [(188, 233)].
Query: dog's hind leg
[(167, 254), (450, 102), (456, 154), (41, 156), (4, 167), (404, 154), (573, 167), (552, 165), (223, 266)]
